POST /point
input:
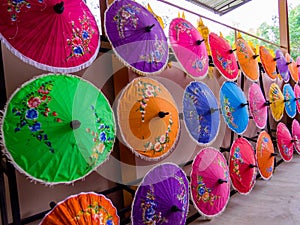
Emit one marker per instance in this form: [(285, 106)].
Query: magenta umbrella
[(210, 182), (49, 34), (296, 135), (257, 105), (297, 96), (284, 142), (189, 48)]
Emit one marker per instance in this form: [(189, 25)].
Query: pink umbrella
[(223, 57), (189, 48), (58, 37), (284, 142), (297, 96), (210, 183), (257, 105), (242, 166), (296, 135)]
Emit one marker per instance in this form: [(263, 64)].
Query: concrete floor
[(275, 202)]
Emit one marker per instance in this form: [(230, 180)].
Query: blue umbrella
[(201, 112), (289, 100), (234, 107)]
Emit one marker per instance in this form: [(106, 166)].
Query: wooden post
[(284, 25)]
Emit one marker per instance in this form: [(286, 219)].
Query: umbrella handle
[(198, 42), (175, 208), (244, 104), (221, 181), (274, 154), (267, 103), (288, 63), (74, 124), (275, 59), (255, 56), (148, 28), (232, 50), (59, 8), (162, 114), (252, 166)]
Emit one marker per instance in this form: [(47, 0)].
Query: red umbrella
[(223, 57), (242, 166)]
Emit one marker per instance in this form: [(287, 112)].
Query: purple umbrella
[(282, 65), (162, 197), (136, 37)]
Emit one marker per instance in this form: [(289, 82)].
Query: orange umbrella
[(293, 68), (265, 155), (268, 62), (148, 118), (83, 209), (276, 99), (247, 59)]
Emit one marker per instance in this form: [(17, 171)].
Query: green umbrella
[(58, 128)]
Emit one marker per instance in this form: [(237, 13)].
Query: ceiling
[(219, 6)]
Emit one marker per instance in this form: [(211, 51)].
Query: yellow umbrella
[(276, 100)]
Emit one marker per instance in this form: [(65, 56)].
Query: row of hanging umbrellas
[(163, 194), (80, 124), (137, 39)]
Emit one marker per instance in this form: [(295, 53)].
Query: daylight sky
[(247, 17)]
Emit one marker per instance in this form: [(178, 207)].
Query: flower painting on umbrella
[(265, 155), (75, 129), (162, 197), (210, 182), (85, 208), (136, 37), (73, 47), (148, 118)]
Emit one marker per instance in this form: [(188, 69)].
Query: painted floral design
[(183, 27), (243, 49), (98, 214), (160, 142), (200, 63), (32, 110), (81, 37), (285, 149), (150, 214), (222, 164), (237, 160), (261, 147), (15, 6), (127, 14), (182, 196), (203, 130), (225, 63), (157, 54), (146, 90), (103, 138), (288, 97), (204, 193), (228, 111)]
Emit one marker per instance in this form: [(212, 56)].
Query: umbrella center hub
[(148, 28), (74, 124), (59, 8)]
